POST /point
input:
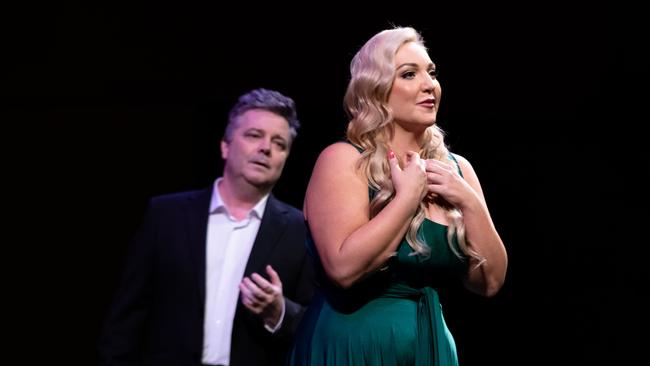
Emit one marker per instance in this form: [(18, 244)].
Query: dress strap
[(371, 192), (453, 157), (359, 148)]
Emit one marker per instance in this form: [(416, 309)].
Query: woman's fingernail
[(391, 154)]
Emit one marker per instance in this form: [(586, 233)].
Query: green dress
[(393, 317)]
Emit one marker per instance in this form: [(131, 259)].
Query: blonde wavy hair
[(372, 73)]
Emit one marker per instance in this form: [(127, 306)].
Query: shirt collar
[(217, 205)]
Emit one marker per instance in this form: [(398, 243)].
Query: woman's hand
[(411, 181), (443, 180)]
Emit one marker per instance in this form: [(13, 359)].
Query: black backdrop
[(117, 103)]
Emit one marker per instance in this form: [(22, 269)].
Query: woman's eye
[(408, 75)]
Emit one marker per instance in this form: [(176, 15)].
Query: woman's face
[(415, 95)]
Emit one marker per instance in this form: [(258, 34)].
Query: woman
[(392, 213)]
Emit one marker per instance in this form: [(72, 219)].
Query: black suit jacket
[(157, 316)]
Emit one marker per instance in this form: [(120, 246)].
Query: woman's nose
[(428, 84)]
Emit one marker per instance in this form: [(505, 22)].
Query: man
[(193, 291)]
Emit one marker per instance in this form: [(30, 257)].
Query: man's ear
[(224, 149)]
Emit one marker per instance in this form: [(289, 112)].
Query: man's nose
[(265, 146)]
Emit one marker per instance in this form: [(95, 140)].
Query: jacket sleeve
[(296, 307), (297, 301)]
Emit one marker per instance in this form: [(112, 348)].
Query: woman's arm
[(466, 195), (349, 244)]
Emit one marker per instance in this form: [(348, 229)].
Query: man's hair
[(269, 100)]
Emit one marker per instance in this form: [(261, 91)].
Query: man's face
[(258, 148)]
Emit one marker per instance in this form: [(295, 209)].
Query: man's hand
[(262, 297)]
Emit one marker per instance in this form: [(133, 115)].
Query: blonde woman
[(391, 212)]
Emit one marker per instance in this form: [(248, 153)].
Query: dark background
[(114, 103)]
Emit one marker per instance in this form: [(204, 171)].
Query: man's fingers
[(268, 287), (245, 295), (255, 290), (273, 275)]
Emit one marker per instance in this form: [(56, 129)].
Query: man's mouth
[(261, 163)]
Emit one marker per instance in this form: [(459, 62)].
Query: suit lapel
[(273, 224), (198, 206)]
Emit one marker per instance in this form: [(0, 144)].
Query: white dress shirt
[(229, 244)]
